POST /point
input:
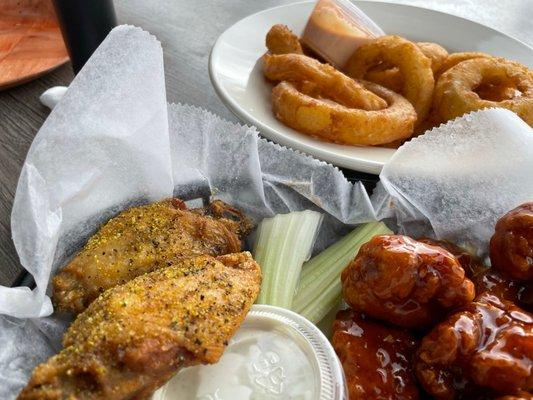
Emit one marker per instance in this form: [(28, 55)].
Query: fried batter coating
[(391, 77), (281, 40), (511, 246), (333, 84), (384, 75), (498, 91), (143, 239), (455, 58), (414, 66), (405, 282), (455, 90), (334, 122), (486, 349), (136, 336), (435, 52), (376, 359)]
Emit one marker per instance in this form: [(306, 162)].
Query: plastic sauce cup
[(336, 28), (276, 354)]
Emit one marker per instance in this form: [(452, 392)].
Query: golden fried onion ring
[(281, 40), (497, 92), (338, 123), (415, 68), (455, 58), (435, 52), (386, 76), (391, 77), (455, 90), (333, 84)]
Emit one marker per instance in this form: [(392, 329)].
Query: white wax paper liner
[(455, 181), (107, 145)]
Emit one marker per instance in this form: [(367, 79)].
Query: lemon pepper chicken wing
[(134, 337), (142, 239)]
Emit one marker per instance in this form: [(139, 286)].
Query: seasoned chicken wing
[(134, 337), (143, 239)]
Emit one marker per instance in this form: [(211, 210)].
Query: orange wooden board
[(30, 41)]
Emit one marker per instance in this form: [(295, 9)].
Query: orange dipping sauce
[(336, 28)]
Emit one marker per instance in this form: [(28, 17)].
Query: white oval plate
[(237, 78)]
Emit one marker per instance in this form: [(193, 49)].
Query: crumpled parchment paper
[(456, 180), (113, 142)]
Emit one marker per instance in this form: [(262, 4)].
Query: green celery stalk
[(320, 286), (283, 244)]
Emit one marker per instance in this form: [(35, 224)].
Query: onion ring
[(281, 40), (435, 52), (391, 77), (455, 90), (455, 58), (334, 84), (386, 76), (497, 92), (415, 68), (338, 123)]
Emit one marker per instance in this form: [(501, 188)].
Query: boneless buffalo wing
[(376, 358), (469, 321), (484, 350), (487, 279), (511, 246), (518, 396), (405, 282)]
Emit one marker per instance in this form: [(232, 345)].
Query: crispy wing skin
[(134, 337), (143, 239)]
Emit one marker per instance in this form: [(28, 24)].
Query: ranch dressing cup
[(275, 355), (336, 28)]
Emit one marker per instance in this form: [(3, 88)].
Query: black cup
[(84, 25)]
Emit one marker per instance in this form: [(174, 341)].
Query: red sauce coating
[(405, 282), (486, 349), (517, 396), (470, 263), (487, 279), (376, 359), (511, 246)]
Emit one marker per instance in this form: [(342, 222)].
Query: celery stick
[(320, 287), (326, 323), (283, 244)]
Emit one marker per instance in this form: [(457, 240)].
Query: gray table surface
[(187, 30)]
